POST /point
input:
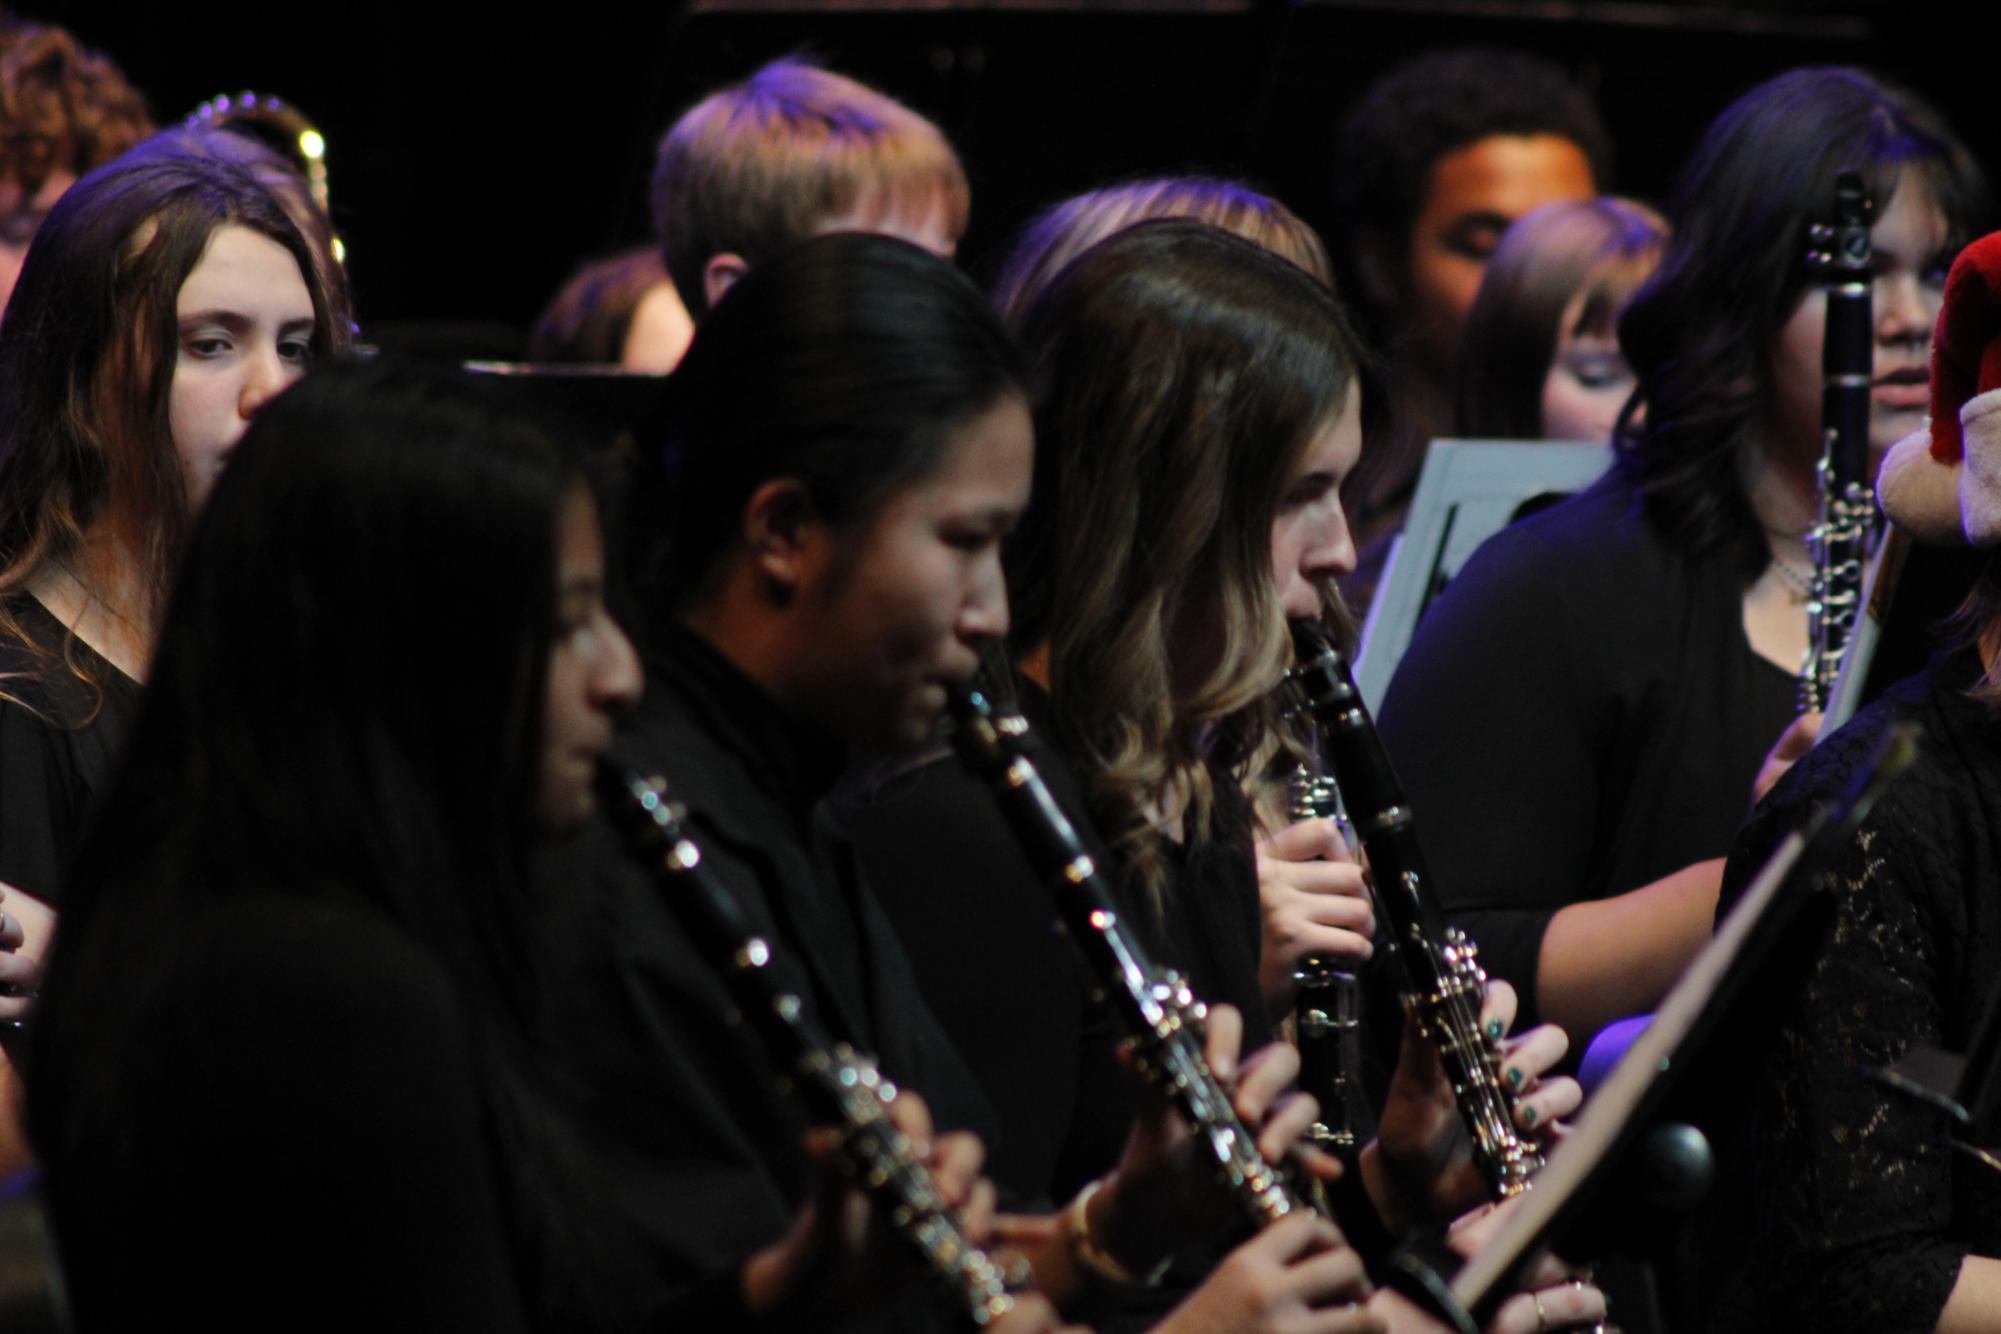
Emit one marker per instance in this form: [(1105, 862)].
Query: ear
[(777, 520), (1376, 267), (720, 274)]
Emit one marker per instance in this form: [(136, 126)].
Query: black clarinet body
[(1443, 982), (1327, 995), (1838, 542), (1162, 1016), (838, 1084)]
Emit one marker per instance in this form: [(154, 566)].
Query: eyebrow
[(236, 322)]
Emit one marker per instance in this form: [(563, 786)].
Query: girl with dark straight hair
[(1601, 688), (290, 1016)]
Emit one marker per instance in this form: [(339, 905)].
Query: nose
[(265, 376), (616, 678), (1331, 551), (1905, 309), (983, 615)]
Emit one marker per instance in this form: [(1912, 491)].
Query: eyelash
[(207, 346)]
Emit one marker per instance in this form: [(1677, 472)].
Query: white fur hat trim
[(1980, 478)]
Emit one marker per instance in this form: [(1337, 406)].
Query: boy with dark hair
[(1435, 163)]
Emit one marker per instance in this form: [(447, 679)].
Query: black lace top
[(1843, 1206)]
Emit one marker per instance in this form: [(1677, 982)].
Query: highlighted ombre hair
[(1179, 375)]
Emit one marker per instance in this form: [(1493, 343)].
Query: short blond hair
[(768, 162)]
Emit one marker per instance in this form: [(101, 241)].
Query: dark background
[(476, 158)]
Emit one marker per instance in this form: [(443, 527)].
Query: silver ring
[(1541, 1316)]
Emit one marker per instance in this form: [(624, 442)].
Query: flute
[(840, 1084)]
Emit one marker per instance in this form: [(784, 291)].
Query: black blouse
[(682, 1099), (296, 1137), (1579, 714), (58, 741)]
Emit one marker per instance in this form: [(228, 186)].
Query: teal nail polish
[(1514, 1077), (1493, 1030), (1528, 1116)]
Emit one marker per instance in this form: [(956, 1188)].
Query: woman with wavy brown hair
[(1196, 407), (165, 300)]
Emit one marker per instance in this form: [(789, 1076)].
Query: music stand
[(1469, 490)]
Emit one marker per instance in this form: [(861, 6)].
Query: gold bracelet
[(1094, 1259)]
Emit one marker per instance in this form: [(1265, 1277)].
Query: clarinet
[(1838, 542), (839, 1084), (1443, 981), (1327, 997), (1162, 1015)]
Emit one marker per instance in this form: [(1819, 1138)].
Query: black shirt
[(683, 1103), (294, 1136), (1579, 714), (59, 738)]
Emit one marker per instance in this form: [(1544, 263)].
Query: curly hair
[(1424, 110), (63, 106)]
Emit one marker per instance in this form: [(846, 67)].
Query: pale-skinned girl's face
[(1310, 542), (1588, 381), (245, 321)]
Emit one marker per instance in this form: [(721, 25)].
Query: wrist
[(1097, 1244), (1372, 1165)]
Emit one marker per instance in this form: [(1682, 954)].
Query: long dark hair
[(346, 710), (1699, 334), (87, 356), (1179, 374), (844, 363), (347, 697)]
